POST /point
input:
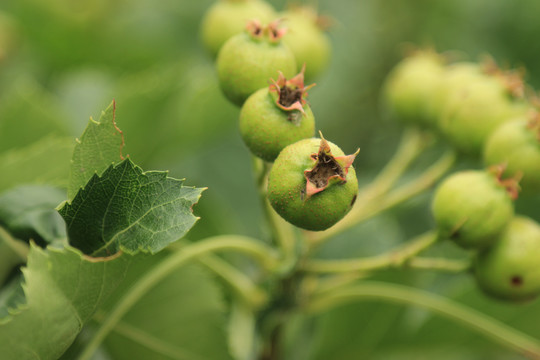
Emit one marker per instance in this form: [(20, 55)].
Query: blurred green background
[(68, 59)]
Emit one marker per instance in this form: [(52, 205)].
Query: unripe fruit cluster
[(464, 102), (475, 210), (312, 184)]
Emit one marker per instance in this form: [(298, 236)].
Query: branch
[(394, 258), (468, 317), (260, 252)]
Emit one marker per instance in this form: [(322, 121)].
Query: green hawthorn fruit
[(247, 60), (277, 116), (410, 88), (454, 78), (510, 269), (517, 145), (473, 207), (227, 18), (312, 184), (306, 39), (474, 105)]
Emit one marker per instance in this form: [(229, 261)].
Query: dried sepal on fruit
[(312, 184), (327, 169), (246, 61), (517, 145), (290, 94), (277, 116)]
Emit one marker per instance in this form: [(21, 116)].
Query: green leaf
[(181, 318), (62, 288), (43, 162), (99, 146), (29, 212), (126, 209)]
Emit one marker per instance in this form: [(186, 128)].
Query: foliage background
[(71, 58)]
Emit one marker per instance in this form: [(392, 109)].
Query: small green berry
[(247, 60), (226, 18), (307, 40), (474, 107), (473, 207), (517, 145), (411, 86), (277, 116), (510, 270), (312, 184)]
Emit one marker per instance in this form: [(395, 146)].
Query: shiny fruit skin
[(410, 88), (286, 184), (518, 147), (510, 269), (310, 45), (471, 208), (246, 65), (224, 19), (266, 129)]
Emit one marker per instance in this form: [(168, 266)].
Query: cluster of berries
[(311, 184), (482, 111)]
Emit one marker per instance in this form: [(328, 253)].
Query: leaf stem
[(262, 253), (394, 258), (244, 287), (468, 317)]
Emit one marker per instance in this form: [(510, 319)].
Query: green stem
[(411, 145), (281, 231), (440, 265), (394, 258), (489, 327), (262, 253), (244, 287)]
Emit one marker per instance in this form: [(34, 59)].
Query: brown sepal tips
[(510, 184), (272, 31), (291, 93), (534, 117), (511, 79), (326, 168)]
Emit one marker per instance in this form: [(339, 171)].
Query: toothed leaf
[(62, 288), (130, 210), (99, 146)]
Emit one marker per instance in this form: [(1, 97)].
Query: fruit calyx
[(326, 168), (534, 117), (290, 94), (271, 32), (512, 80), (510, 184)]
